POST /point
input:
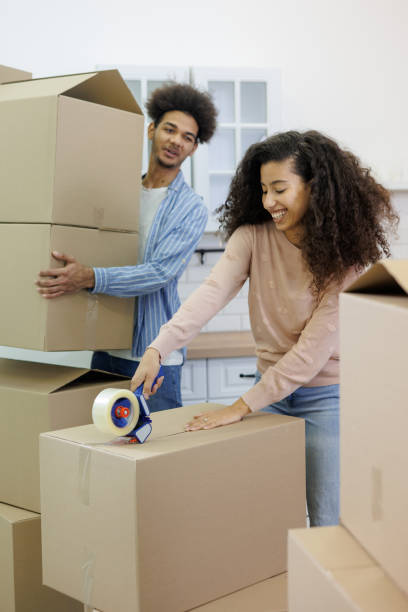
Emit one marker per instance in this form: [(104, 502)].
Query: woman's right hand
[(146, 373)]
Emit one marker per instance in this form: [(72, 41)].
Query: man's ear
[(194, 149), (150, 130)]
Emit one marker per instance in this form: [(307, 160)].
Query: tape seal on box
[(84, 475), (87, 572), (91, 320)]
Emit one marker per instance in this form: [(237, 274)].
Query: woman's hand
[(222, 416), (146, 372)]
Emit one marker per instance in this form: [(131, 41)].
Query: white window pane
[(223, 95), (152, 85), (249, 136), (253, 102), (219, 186), (136, 89), (221, 150)]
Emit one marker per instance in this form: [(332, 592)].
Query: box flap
[(106, 87), (385, 277), (169, 436), (47, 378), (11, 514)]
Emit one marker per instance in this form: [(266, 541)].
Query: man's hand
[(146, 373), (222, 416), (71, 278)]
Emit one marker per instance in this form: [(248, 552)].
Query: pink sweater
[(296, 338)]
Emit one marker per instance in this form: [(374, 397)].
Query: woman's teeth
[(278, 215)]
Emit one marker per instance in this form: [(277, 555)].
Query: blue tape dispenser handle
[(143, 427)]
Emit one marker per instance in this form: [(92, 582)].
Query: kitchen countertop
[(221, 344)]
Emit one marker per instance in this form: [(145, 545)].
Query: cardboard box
[(21, 589), (329, 571), (70, 152), (7, 74), (37, 397), (374, 415), (181, 520), (82, 321), (266, 596)]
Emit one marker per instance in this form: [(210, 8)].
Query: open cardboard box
[(179, 521), (38, 397), (71, 151), (329, 571), (374, 414), (81, 321)]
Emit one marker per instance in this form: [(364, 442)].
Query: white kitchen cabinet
[(230, 378), (249, 109), (217, 380), (194, 381)]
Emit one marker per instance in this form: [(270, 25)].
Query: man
[(172, 221)]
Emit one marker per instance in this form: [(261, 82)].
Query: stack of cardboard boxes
[(363, 563), (70, 156)]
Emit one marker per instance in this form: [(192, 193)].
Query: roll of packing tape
[(108, 403)]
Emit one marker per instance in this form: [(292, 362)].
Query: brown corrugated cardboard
[(329, 571), (21, 589), (266, 596), (82, 321), (179, 521), (70, 152), (37, 397), (374, 416), (7, 74)]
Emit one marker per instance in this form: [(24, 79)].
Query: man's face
[(173, 139)]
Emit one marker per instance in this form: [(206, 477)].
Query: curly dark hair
[(349, 214), (188, 99)]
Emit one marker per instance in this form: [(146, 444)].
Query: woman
[(303, 219)]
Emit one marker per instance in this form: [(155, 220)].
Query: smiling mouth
[(171, 153), (279, 214)]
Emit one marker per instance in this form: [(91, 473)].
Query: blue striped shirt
[(176, 230)]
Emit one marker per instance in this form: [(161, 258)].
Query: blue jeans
[(319, 407), (169, 394)]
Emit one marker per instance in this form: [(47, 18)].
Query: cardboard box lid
[(106, 87), (12, 515), (388, 277), (9, 74), (168, 433), (332, 547), (48, 378)]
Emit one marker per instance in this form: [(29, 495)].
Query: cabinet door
[(194, 381), (249, 109), (228, 379)]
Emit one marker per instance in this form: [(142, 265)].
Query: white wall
[(343, 63)]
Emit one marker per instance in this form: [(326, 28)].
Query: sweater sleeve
[(306, 358), (225, 280)]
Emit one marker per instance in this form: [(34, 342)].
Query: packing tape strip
[(87, 571), (91, 321), (84, 475)]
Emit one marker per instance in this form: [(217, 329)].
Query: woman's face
[(286, 197)]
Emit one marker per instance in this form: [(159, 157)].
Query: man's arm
[(172, 254), (73, 277)]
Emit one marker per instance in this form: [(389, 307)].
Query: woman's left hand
[(222, 416)]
